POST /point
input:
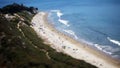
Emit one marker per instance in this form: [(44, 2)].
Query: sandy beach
[(62, 43)]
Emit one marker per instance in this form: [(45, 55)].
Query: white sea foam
[(114, 41), (104, 49), (96, 45), (59, 14), (71, 33), (110, 53), (65, 22), (107, 49)]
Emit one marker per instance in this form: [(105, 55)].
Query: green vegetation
[(25, 15), (14, 8), (20, 47)]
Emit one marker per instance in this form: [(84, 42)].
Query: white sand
[(65, 44)]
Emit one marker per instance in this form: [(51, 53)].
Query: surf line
[(114, 41), (60, 14)]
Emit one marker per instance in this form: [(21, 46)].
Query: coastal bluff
[(21, 47)]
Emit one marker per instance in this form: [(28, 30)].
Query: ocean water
[(94, 22)]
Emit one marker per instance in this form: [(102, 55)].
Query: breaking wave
[(108, 50), (65, 22), (71, 33), (59, 14), (114, 41), (103, 48)]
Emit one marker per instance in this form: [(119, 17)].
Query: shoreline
[(71, 39), (68, 45)]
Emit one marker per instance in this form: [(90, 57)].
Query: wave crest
[(59, 14), (71, 33), (103, 48), (107, 49), (114, 41), (65, 22)]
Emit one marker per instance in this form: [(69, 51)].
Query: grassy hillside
[(20, 47)]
